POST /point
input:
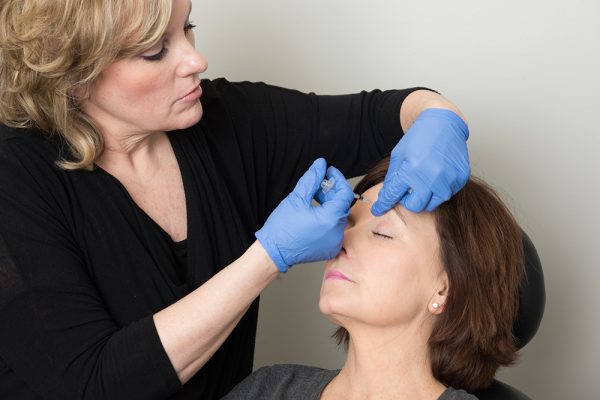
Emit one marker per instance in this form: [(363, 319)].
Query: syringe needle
[(362, 198)]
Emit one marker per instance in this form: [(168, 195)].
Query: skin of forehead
[(398, 209)]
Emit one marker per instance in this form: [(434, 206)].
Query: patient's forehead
[(372, 192), (362, 210)]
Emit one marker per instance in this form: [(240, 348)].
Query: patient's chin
[(330, 315), (332, 308), (325, 305)]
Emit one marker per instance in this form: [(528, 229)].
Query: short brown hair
[(482, 254), (50, 48)]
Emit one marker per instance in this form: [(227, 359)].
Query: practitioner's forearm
[(192, 329)]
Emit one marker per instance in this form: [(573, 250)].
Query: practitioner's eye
[(158, 56), (188, 27)]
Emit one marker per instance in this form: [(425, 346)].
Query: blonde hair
[(50, 50)]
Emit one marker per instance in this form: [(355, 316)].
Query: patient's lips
[(335, 274)]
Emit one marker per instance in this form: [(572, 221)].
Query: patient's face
[(391, 264)]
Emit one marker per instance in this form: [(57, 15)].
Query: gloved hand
[(428, 165), (298, 232)]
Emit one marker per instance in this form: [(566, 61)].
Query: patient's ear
[(438, 300)]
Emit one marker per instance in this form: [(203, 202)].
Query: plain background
[(525, 73)]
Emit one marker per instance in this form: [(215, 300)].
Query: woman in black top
[(128, 208)]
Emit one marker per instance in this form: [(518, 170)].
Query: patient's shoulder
[(300, 371), (453, 394), (283, 381)]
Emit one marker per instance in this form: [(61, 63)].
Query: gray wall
[(526, 75)]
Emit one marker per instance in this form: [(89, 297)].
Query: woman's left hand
[(428, 165)]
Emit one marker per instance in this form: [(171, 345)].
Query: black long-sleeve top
[(83, 268)]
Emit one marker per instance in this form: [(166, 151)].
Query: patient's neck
[(385, 363)]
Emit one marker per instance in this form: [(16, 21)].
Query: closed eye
[(381, 235), (163, 51), (158, 56)]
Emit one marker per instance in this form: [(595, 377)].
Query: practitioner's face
[(151, 92), (392, 265)]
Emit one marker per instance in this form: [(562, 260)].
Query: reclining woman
[(425, 302)]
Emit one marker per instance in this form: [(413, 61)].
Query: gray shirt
[(292, 382)]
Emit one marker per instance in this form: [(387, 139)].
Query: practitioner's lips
[(193, 94)]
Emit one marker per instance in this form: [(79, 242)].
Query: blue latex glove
[(298, 232), (428, 165)]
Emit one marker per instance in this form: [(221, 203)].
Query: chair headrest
[(532, 295)]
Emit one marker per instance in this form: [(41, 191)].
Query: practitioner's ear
[(79, 92)]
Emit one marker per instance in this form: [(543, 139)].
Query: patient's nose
[(350, 236)]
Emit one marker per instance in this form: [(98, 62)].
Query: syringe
[(327, 184)]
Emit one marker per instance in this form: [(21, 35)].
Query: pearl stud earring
[(435, 306)]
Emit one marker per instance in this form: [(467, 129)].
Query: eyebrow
[(399, 213)]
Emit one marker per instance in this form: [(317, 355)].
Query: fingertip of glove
[(411, 203), (377, 210), (333, 172), (320, 163), (431, 208)]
